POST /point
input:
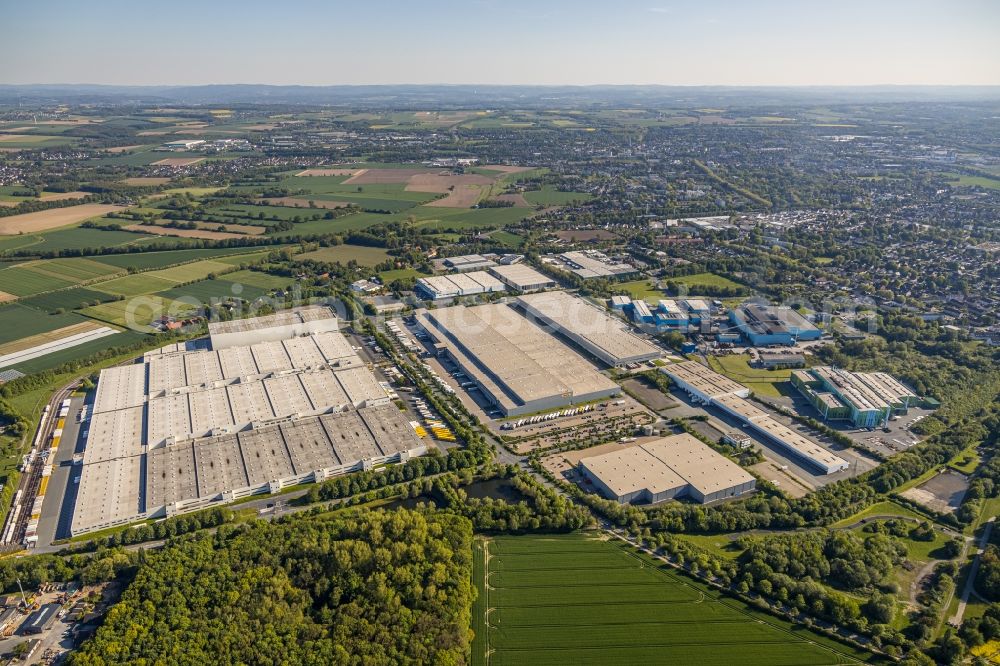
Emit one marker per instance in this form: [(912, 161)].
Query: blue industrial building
[(668, 313), (765, 325)]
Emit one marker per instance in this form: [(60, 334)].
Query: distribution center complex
[(186, 428), (518, 367)]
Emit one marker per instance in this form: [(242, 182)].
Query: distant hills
[(485, 96)]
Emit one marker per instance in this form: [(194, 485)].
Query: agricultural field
[(21, 321), (52, 218), (57, 358), (204, 291), (549, 196), (759, 380), (146, 260), (578, 599), (365, 256), (67, 299), (34, 277), (73, 238), (137, 312)]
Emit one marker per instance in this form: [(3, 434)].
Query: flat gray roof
[(285, 318), (595, 327), (525, 363)]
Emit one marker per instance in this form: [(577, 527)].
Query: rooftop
[(581, 318)]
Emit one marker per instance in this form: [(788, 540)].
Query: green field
[(144, 260), (67, 299), (20, 321), (257, 279), (206, 290), (694, 282), (758, 380), (35, 277), (57, 358), (76, 238), (641, 290), (549, 196), (962, 180), (400, 274), (576, 599), (136, 311), (365, 256)]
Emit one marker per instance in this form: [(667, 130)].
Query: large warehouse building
[(187, 428), (866, 399), (518, 367), (768, 325), (709, 387), (440, 287), (522, 278), (589, 327), (675, 466)]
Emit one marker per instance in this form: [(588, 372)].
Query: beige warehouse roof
[(706, 470), (633, 470), (667, 463)]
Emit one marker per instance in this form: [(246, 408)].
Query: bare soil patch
[(152, 133), (183, 233), (506, 168), (386, 176), (62, 196), (50, 219), (147, 180), (332, 171), (581, 235), (15, 137), (178, 161), (5, 297), (516, 199), (9, 204), (293, 202), (464, 191)]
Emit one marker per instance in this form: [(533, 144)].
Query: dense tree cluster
[(370, 588)]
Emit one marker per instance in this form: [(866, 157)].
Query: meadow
[(710, 280), (758, 380), (578, 599), (365, 256), (549, 196)]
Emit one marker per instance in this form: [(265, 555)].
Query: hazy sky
[(725, 42)]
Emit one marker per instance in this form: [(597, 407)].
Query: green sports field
[(578, 599)]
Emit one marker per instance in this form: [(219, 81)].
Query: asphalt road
[(57, 509)]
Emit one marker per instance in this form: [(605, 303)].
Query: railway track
[(16, 525)]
